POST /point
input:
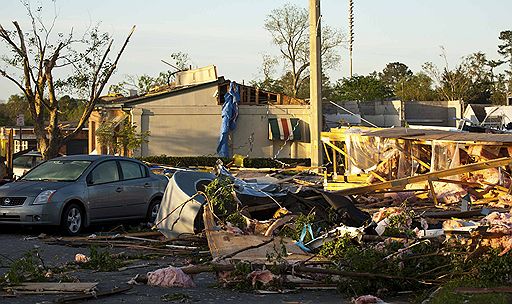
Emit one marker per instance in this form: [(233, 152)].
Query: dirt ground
[(16, 241)]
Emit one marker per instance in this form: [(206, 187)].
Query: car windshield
[(57, 170)]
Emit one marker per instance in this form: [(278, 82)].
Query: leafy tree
[(37, 55), (470, 81), (121, 139), (361, 88), (505, 49), (269, 82), (416, 87), (394, 73), (144, 84), (499, 90), (181, 61), (71, 108), (289, 27)]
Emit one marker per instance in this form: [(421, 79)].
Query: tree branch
[(98, 89)]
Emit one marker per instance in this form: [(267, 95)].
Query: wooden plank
[(100, 294), (433, 192), (401, 183), (55, 287), (223, 243)]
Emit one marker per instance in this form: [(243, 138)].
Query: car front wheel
[(73, 219)]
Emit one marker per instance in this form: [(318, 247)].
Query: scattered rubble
[(423, 227)]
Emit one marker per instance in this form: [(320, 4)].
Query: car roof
[(87, 157), (32, 153)]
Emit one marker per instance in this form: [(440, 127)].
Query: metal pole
[(315, 82)]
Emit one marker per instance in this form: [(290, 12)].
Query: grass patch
[(447, 295)]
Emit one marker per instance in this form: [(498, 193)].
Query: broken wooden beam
[(402, 182)]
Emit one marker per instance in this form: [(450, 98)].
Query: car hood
[(29, 188)]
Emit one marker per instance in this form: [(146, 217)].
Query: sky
[(230, 33)]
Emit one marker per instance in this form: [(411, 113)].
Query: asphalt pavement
[(16, 241)]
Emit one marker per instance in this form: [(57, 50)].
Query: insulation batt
[(263, 276), (504, 201), (367, 299), (449, 193), (500, 223), (170, 277)]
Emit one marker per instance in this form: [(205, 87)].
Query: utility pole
[(315, 82), (350, 30)]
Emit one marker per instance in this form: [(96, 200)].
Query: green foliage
[(102, 260), (220, 194), (446, 294), (385, 258), (181, 60), (505, 49), (25, 269), (400, 224), (471, 81), (145, 83), (121, 139), (209, 161), (415, 87), (16, 104), (300, 222), (237, 220), (393, 73), (361, 88)]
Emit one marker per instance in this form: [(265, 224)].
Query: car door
[(137, 188), (105, 191)]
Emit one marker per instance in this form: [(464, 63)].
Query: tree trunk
[(49, 146)]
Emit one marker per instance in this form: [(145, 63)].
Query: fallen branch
[(99, 294), (304, 269), (471, 290)]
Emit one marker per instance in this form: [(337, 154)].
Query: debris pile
[(366, 239)]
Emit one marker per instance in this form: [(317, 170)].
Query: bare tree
[(38, 54), (289, 27)]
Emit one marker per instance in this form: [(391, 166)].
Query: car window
[(131, 170), (24, 162), (58, 170), (144, 170), (105, 172)]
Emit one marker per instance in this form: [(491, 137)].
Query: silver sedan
[(76, 191)]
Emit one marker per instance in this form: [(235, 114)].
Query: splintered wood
[(225, 246)]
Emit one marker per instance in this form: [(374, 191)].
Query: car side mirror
[(89, 180)]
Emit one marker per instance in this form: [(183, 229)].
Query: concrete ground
[(16, 241)]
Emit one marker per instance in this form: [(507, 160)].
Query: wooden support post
[(432, 191), (334, 164)]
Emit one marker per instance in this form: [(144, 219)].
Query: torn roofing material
[(428, 134)]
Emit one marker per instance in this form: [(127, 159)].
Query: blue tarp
[(229, 117)]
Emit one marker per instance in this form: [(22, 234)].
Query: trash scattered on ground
[(271, 232)]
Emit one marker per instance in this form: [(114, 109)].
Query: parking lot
[(16, 242)]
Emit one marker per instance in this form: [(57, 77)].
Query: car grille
[(9, 218), (12, 201)]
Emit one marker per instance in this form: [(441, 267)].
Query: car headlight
[(43, 197)]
